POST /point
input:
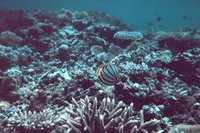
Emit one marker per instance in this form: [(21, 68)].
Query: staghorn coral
[(86, 116), (21, 120)]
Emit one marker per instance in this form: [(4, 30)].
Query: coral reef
[(48, 81), (88, 116)]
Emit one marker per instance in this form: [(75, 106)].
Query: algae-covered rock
[(177, 41), (187, 65), (9, 38)]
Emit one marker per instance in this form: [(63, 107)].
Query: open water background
[(140, 14)]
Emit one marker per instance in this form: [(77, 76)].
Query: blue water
[(139, 14)]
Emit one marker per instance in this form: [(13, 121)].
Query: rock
[(68, 32), (158, 58), (96, 49), (28, 20), (95, 40), (187, 64), (153, 111), (10, 81), (47, 28), (8, 57), (64, 52), (177, 41), (67, 12), (25, 56), (64, 18), (81, 24), (38, 45), (79, 15), (4, 105), (9, 38), (34, 32), (114, 50), (105, 30), (5, 62), (44, 16)]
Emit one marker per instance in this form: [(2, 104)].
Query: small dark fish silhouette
[(158, 18), (184, 17)]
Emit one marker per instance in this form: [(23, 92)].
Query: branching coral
[(83, 116), (22, 120), (86, 116)]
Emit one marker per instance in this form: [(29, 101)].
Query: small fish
[(108, 74), (184, 17), (158, 18)]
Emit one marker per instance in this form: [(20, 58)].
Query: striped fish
[(108, 74)]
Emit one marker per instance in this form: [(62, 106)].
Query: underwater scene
[(100, 66)]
